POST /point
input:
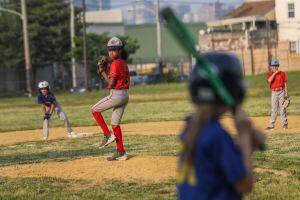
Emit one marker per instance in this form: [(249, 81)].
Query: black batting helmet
[(227, 67)]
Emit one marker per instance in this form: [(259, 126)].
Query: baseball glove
[(102, 64), (286, 102)]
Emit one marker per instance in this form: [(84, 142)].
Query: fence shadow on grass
[(51, 156), (63, 150)]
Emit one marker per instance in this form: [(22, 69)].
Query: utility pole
[(26, 49), (158, 39), (158, 32), (72, 32), (28, 67), (268, 42), (84, 46), (101, 5)]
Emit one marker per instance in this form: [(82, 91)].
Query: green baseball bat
[(186, 39)]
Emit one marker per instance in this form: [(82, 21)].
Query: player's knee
[(94, 109), (62, 117), (95, 112), (115, 125)]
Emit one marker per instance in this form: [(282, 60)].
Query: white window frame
[(291, 10), (293, 47)]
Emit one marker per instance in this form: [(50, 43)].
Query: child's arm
[(47, 115), (249, 138), (271, 78), (52, 108), (286, 89), (43, 108), (105, 76), (111, 81)]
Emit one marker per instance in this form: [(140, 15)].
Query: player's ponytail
[(124, 54), (203, 114)]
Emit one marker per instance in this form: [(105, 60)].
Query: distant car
[(151, 78), (135, 78)]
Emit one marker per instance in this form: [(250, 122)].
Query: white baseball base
[(79, 134)]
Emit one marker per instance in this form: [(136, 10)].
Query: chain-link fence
[(59, 75), (12, 80)]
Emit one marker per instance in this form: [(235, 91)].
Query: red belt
[(277, 89)]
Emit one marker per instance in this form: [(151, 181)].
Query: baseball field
[(74, 168)]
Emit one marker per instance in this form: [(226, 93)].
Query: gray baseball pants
[(277, 101), (61, 116), (118, 100)]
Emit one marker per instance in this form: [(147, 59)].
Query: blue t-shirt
[(218, 165), (47, 100)]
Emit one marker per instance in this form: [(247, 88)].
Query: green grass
[(270, 186), (147, 103), (62, 149), (159, 102), (283, 154), (55, 188)]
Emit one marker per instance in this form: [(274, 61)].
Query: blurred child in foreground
[(213, 165)]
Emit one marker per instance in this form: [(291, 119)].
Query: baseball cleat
[(73, 134), (269, 128), (118, 156), (285, 127), (107, 140)]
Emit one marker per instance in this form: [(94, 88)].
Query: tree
[(49, 33), (11, 42), (49, 28)]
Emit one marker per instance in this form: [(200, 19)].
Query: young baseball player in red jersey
[(118, 81), (278, 85)]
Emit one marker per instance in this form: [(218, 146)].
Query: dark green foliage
[(49, 28), (49, 35), (11, 42)]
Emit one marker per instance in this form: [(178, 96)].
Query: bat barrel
[(186, 40)]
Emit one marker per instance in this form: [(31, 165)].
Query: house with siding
[(250, 31), (288, 20)]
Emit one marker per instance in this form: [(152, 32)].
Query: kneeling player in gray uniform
[(49, 105)]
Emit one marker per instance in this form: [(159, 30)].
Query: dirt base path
[(146, 128), (137, 168)]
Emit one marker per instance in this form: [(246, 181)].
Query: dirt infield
[(146, 128), (138, 168)]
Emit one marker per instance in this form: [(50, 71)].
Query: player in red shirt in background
[(118, 80), (278, 85)]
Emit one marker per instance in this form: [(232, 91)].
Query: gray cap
[(114, 43)]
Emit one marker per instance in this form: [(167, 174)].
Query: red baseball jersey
[(278, 81), (119, 70)]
